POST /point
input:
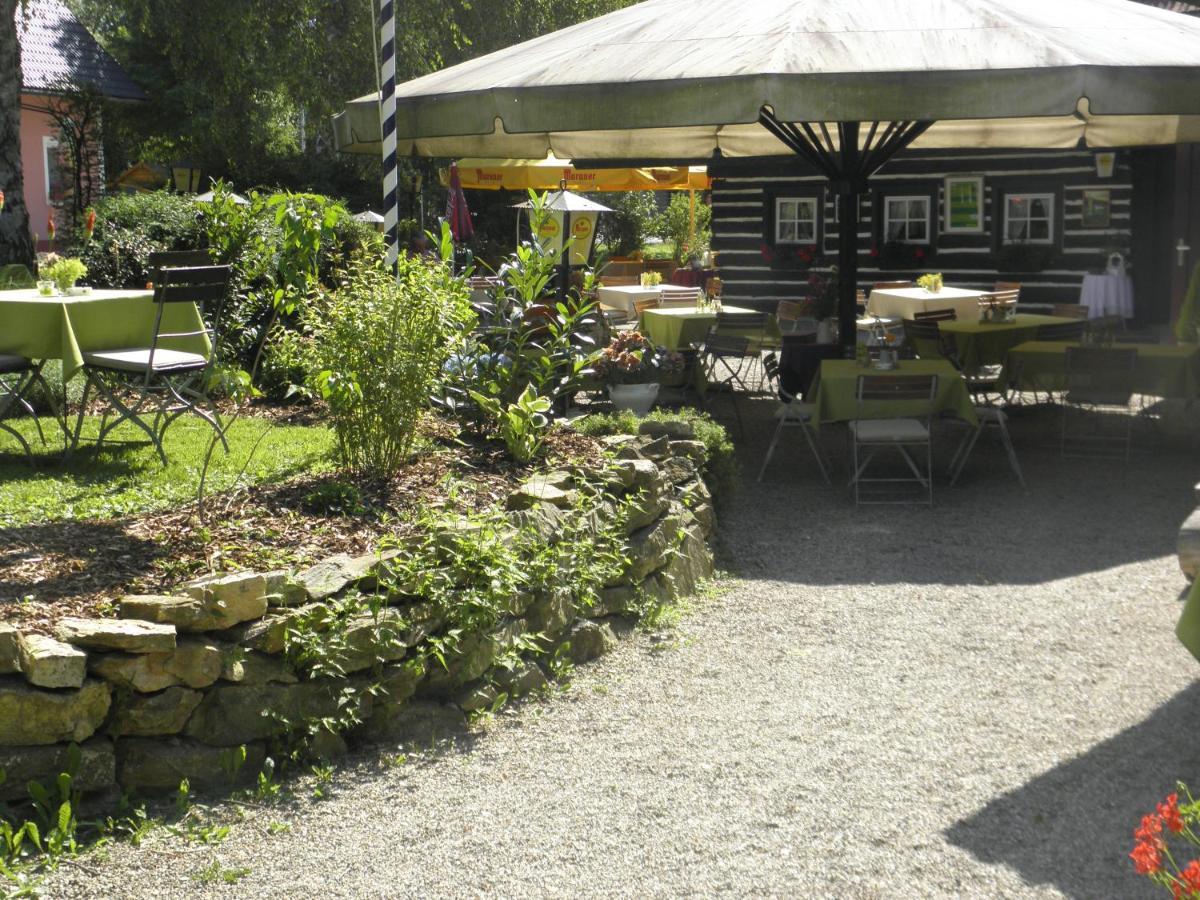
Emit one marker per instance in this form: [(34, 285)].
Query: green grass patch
[(127, 479)]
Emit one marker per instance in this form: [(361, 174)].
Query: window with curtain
[(1029, 218), (795, 220), (906, 220)]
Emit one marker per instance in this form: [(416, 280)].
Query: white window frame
[(1031, 195), (813, 206), (908, 198), (49, 143)]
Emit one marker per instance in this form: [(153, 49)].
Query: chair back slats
[(177, 259), (891, 285), (1062, 331), (922, 329), (719, 344), (743, 321), (679, 297), (897, 387), (194, 292), (619, 280), (936, 315), (642, 304), (1070, 310), (1006, 297), (1001, 287)]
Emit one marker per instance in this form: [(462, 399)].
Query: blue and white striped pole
[(387, 123)]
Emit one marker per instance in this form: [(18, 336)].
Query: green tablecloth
[(836, 392), (1162, 370), (66, 327), (678, 328), (987, 343), (1188, 629)]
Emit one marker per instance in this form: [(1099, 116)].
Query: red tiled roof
[(57, 49)]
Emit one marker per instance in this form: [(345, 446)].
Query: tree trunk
[(16, 245)]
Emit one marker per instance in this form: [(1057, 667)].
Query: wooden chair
[(1006, 297), (620, 280), (871, 436), (1099, 380), (136, 381), (889, 285), (1005, 286), (860, 302), (1070, 311), (936, 315), (723, 358), (791, 413), (677, 297), (926, 337), (793, 318), (641, 304)]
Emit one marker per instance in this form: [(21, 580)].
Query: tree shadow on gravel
[(1072, 827), (1073, 517)]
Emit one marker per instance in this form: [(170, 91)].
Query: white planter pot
[(638, 398)]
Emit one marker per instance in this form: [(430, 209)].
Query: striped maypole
[(387, 123)]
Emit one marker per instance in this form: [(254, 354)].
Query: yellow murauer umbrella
[(550, 173)]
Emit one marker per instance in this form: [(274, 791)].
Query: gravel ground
[(975, 700)]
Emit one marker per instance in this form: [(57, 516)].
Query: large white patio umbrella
[(843, 85)]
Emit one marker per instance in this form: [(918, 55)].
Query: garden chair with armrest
[(871, 435)]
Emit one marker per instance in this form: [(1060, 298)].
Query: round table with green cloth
[(987, 343), (1163, 370), (65, 328), (677, 328), (835, 396)]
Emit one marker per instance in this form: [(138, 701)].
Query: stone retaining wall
[(175, 685)]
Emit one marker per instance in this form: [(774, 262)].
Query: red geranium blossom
[(1190, 876), (1149, 830), (766, 252), (919, 253), (874, 252), (1169, 813), (1146, 858)]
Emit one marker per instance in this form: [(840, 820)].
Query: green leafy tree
[(676, 224), (16, 245), (624, 230)]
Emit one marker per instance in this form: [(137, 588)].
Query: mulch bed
[(81, 568)]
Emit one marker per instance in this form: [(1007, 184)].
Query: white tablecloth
[(902, 303), (1107, 295), (621, 298)]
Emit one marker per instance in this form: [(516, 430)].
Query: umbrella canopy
[(457, 213), (678, 79), (371, 218), (548, 174)]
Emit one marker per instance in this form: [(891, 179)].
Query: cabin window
[(795, 220), (1029, 219), (906, 220), (52, 168)]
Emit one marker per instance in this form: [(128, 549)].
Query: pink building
[(57, 51)]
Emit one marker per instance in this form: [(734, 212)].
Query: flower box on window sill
[(899, 255), (788, 258)]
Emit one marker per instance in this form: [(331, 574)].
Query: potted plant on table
[(64, 272), (633, 368)]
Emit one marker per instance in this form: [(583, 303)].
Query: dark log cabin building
[(1041, 218)]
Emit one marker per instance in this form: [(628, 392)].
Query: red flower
[(1149, 830), (50, 229), (1190, 876), (89, 224), (766, 253), (1169, 813), (874, 252), (919, 253), (1146, 858)]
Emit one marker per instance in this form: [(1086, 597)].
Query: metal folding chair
[(936, 315), (160, 380), (872, 435), (791, 413), (18, 376), (727, 352), (1099, 380), (989, 418), (679, 297)]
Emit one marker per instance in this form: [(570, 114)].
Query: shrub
[(631, 221), (673, 225), (721, 470), (129, 227), (380, 344)]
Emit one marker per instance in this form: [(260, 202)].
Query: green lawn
[(120, 480)]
